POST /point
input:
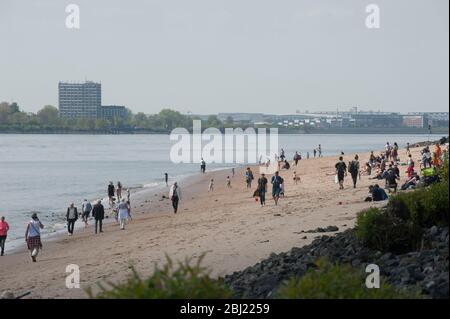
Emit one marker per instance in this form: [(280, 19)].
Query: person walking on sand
[(276, 182), (86, 209), (249, 177), (228, 182), (211, 185), (314, 152), (4, 228), (232, 172), (111, 192), (307, 155), (119, 191), (33, 236), (262, 189), (410, 164), (353, 168), (203, 166), (408, 151), (123, 213), (175, 196), (166, 179), (71, 217), (98, 212), (297, 157), (128, 194), (319, 150), (341, 172)]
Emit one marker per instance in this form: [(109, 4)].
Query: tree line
[(13, 119)]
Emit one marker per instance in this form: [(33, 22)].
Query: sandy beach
[(227, 224)]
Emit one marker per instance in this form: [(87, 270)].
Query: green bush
[(384, 232), (338, 282), (423, 207), (443, 171), (169, 282)]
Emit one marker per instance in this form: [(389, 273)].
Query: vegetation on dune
[(334, 281), (172, 281)]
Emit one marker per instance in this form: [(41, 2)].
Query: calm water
[(44, 173)]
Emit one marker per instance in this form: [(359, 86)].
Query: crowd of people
[(384, 166)]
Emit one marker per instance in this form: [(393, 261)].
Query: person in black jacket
[(98, 212), (71, 217)]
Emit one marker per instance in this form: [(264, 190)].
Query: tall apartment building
[(79, 100)]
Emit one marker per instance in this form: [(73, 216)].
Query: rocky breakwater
[(425, 269)]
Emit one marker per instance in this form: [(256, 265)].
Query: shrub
[(184, 281), (423, 207), (443, 171), (385, 232), (337, 282)]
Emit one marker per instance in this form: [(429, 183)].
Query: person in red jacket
[(4, 227)]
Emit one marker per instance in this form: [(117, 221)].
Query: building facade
[(110, 112), (79, 100)]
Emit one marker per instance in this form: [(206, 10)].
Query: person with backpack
[(276, 182), (353, 168), (86, 209), (71, 217), (98, 212), (341, 171)]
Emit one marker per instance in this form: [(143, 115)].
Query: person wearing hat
[(33, 236), (98, 212)]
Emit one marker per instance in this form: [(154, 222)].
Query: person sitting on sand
[(175, 196), (377, 194), (286, 165), (4, 228), (33, 236)]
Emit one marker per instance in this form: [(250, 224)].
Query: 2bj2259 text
[(236, 309)]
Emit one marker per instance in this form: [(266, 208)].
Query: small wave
[(150, 185)]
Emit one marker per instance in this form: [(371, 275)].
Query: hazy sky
[(209, 56)]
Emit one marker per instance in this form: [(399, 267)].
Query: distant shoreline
[(380, 131)]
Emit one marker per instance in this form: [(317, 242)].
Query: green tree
[(48, 115)]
